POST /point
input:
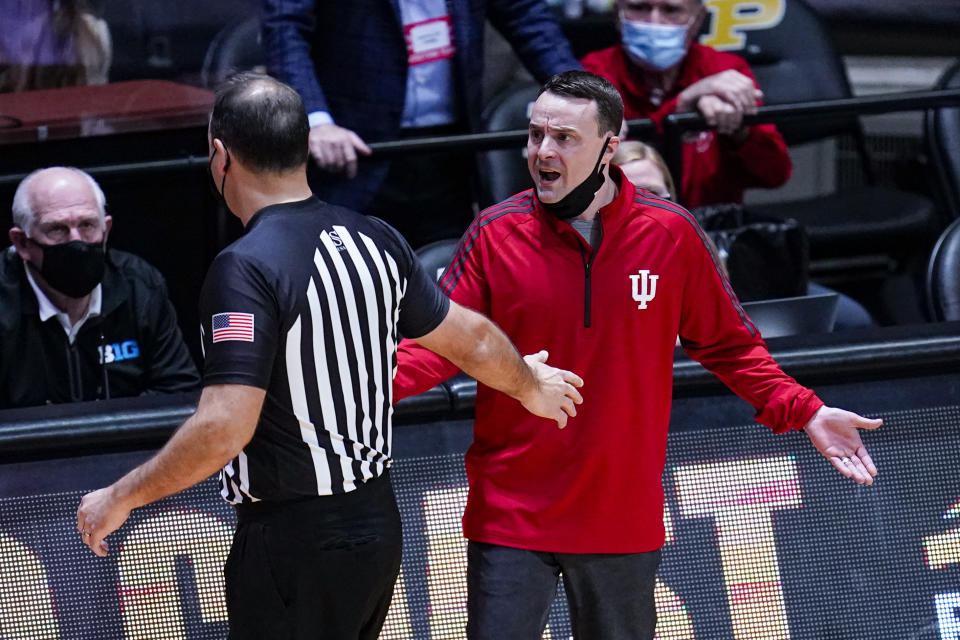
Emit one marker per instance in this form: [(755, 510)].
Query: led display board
[(764, 541)]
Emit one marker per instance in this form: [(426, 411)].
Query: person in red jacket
[(659, 70), (605, 277)]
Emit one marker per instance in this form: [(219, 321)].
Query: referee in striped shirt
[(300, 322)]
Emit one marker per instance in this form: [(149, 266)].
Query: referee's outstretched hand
[(556, 396), (99, 515)]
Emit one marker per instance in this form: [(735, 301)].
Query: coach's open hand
[(557, 395), (834, 432)]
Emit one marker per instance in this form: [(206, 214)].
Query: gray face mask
[(73, 268)]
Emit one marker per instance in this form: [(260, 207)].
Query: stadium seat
[(796, 61), (943, 275), (436, 256), (942, 129), (166, 39), (235, 48), (460, 390), (504, 172)]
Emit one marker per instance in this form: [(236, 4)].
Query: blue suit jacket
[(349, 58)]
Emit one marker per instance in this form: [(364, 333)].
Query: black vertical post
[(673, 153)]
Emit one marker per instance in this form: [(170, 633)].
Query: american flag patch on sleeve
[(232, 326)]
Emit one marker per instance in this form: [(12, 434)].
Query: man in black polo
[(300, 319), (80, 322)]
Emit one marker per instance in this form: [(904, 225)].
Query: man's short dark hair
[(590, 86), (262, 121)]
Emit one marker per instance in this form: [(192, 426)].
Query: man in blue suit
[(375, 70)]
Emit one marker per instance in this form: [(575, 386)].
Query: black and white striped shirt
[(308, 305)]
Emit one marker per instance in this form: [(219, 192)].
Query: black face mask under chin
[(580, 197), (73, 268)]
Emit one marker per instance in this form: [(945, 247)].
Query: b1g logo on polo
[(126, 350), (644, 287), (730, 18)]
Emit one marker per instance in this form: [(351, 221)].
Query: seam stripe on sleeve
[(513, 205), (672, 207)]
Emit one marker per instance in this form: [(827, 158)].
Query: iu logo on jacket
[(644, 287)]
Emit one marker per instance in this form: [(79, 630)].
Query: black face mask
[(73, 268), (219, 195), (580, 197)]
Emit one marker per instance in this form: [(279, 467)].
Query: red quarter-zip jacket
[(612, 316), (715, 169)]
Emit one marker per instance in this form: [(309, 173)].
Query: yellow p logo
[(732, 17)]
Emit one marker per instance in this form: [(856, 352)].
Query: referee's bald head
[(262, 121)]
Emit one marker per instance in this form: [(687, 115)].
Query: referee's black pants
[(321, 567)]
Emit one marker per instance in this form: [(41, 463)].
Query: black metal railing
[(146, 422), (676, 124)]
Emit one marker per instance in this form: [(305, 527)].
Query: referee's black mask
[(219, 195)]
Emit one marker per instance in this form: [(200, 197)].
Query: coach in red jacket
[(605, 277), (659, 70)]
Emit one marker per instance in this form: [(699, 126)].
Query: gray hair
[(23, 213)]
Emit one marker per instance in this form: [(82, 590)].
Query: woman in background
[(48, 44), (645, 168)]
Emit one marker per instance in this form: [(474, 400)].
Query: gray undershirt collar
[(589, 229)]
